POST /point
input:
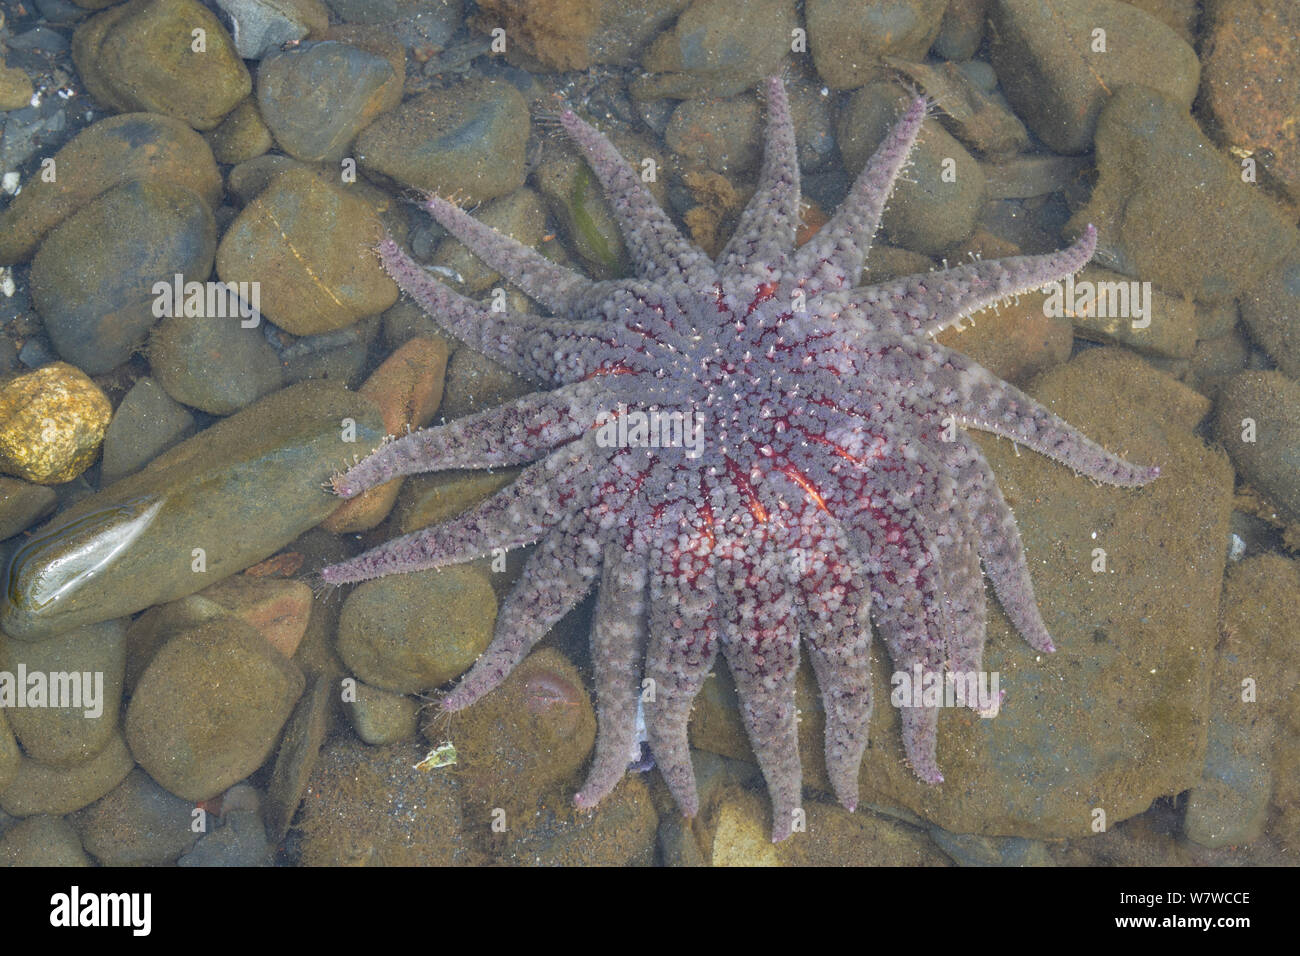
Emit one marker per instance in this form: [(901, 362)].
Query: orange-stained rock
[(278, 609), (408, 389)]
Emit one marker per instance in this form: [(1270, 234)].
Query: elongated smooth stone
[(208, 508)]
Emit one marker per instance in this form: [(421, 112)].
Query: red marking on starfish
[(800, 479), (618, 368), (766, 291), (747, 492)]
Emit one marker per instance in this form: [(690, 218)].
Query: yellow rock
[(52, 422)]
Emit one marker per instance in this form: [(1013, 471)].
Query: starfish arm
[(618, 638), (760, 641), (898, 545), (992, 405), (880, 363), (834, 256), (657, 248), (766, 229), (963, 592), (929, 302), (520, 431), (998, 540), (542, 280), (652, 317), (515, 516), (913, 638), (542, 349), (554, 579), (836, 624), (683, 643)]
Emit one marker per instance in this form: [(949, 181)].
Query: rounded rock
[(102, 156), (91, 662), (717, 48), (467, 141), (42, 841), (242, 135), (317, 97), (848, 39), (138, 823), (22, 504), (39, 788), (1251, 85), (209, 708), (147, 422), (1150, 157), (339, 824), (534, 731), (308, 243), (213, 364), (1057, 80), (381, 717), (93, 278), (143, 55), (1258, 422), (411, 632), (52, 422)]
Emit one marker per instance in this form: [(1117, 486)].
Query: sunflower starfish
[(807, 487)]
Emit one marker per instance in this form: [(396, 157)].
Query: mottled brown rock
[(38, 788), (143, 55), (340, 825), (1151, 157), (102, 156), (1251, 82), (412, 632), (137, 823), (577, 34), (309, 245), (42, 841), (531, 733), (209, 708), (241, 136)]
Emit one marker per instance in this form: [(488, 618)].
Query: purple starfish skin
[(824, 497)]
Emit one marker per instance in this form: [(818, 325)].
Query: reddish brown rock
[(1251, 82), (278, 609), (408, 389)]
